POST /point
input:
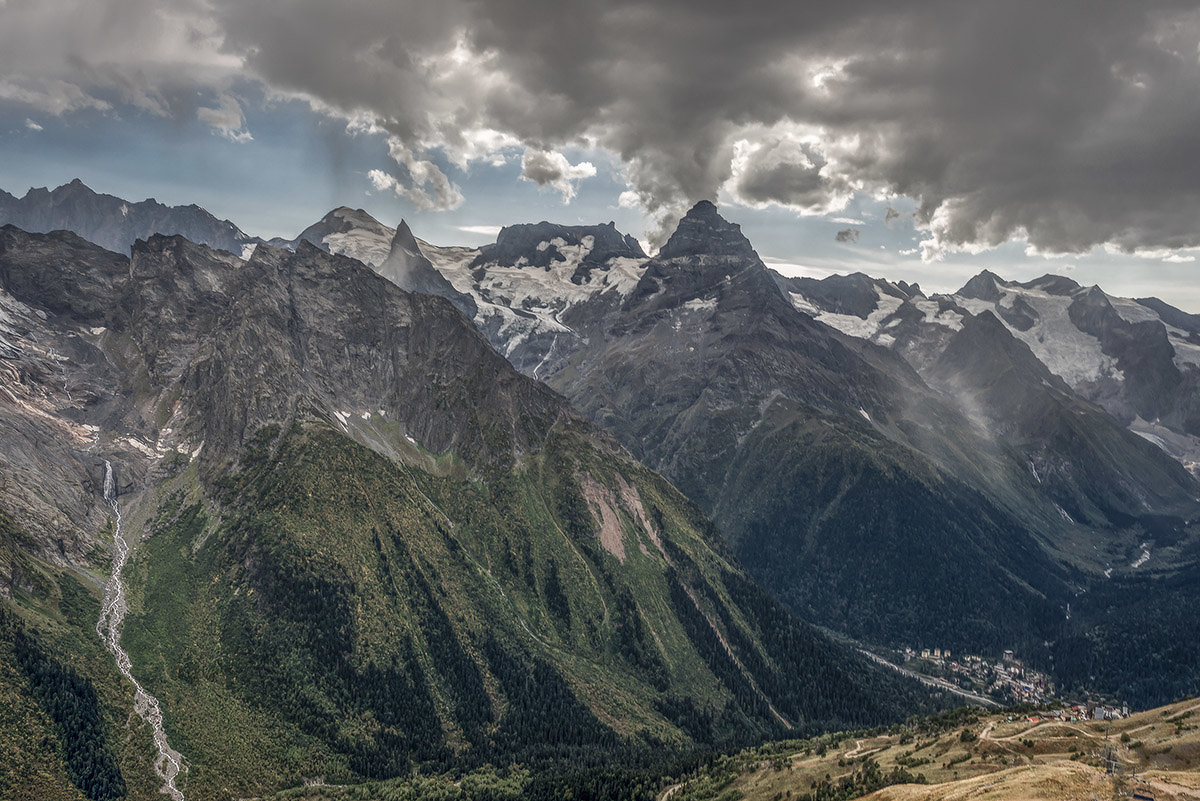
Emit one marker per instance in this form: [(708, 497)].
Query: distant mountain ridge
[(115, 224)]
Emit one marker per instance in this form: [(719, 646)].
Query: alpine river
[(112, 615)]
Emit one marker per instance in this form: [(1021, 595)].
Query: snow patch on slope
[(1183, 447), (1069, 353), (853, 326), (698, 304), (934, 316), (1130, 310), (541, 294), (802, 304), (1186, 352), (369, 247)]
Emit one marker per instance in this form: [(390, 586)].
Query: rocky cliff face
[(541, 290), (58, 409), (1097, 472), (543, 244), (408, 268)]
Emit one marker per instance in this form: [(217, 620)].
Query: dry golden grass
[(1008, 760), (1067, 781)]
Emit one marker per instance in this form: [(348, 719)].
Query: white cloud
[(551, 168), (629, 199), (802, 106), (427, 188), (31, 125), (226, 119), (481, 145), (62, 56), (1168, 255), (482, 230), (381, 180), (795, 270), (50, 96), (847, 221), (793, 166)]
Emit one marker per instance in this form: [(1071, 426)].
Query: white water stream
[(112, 615)]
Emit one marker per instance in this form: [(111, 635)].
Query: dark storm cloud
[(1070, 123)]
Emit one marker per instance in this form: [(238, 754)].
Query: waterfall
[(110, 489), (112, 614)]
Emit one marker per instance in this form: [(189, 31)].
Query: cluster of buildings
[(1092, 710), (1007, 679)]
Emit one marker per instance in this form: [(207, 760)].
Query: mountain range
[(362, 544), (1139, 360), (974, 500), (342, 481)]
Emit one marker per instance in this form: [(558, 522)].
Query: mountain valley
[(367, 541), (362, 544)]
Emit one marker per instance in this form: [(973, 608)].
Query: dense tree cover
[(556, 599), (70, 701), (371, 621), (796, 682), (543, 718), (879, 571), (1139, 645), (635, 644)]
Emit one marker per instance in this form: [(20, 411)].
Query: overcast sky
[(919, 140)]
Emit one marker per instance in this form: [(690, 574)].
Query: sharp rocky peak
[(985, 352), (706, 257), (75, 186), (405, 239), (985, 286), (407, 267), (703, 231)]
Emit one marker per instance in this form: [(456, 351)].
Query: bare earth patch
[(603, 505)]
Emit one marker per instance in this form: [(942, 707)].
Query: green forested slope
[(352, 618)]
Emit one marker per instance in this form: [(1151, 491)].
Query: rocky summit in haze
[(116, 224), (1137, 359)]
